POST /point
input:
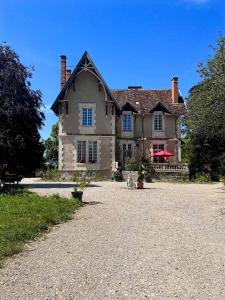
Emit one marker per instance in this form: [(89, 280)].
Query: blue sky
[(132, 42)]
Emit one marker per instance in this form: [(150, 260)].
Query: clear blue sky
[(132, 42)]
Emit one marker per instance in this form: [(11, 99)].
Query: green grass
[(25, 215)]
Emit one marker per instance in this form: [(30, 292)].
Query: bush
[(118, 176), (148, 177), (131, 165), (52, 174)]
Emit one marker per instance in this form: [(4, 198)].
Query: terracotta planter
[(140, 184), (77, 195)]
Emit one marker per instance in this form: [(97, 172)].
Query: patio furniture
[(8, 179)]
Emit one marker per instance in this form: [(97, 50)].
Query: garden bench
[(7, 178)]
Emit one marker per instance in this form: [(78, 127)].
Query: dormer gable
[(128, 107), (160, 107)]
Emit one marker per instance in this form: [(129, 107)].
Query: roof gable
[(159, 107), (85, 64), (128, 107)]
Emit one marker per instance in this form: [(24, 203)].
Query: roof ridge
[(141, 90)]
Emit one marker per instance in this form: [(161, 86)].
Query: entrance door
[(127, 153)]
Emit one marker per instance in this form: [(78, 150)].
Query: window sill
[(158, 130)]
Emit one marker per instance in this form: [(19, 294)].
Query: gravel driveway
[(164, 242)]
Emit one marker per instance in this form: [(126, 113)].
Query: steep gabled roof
[(84, 65), (148, 99)]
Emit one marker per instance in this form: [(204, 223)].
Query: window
[(87, 117), (127, 122), (92, 152), (81, 152), (157, 148), (158, 122)]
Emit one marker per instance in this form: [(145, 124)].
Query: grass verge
[(25, 215)]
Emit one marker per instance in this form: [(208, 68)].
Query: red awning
[(162, 154)]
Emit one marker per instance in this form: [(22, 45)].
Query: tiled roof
[(148, 99)]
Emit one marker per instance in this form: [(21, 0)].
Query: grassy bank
[(24, 216)]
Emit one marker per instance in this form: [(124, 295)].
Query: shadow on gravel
[(145, 188), (92, 203), (52, 185)]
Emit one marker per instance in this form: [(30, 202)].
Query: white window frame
[(160, 147), (83, 128), (81, 151), (87, 116), (158, 117), (92, 152), (124, 117), (88, 152), (127, 132)]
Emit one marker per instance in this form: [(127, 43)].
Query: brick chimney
[(175, 91), (68, 73), (63, 70)]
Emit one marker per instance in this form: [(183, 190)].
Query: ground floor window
[(157, 148), (92, 152), (87, 152)]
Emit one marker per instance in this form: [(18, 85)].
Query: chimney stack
[(175, 90), (63, 70), (135, 87), (68, 73)]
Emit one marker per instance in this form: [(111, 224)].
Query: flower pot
[(77, 195), (140, 184)]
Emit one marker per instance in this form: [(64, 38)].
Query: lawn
[(25, 215)]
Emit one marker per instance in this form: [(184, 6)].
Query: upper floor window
[(87, 116), (127, 122), (158, 122)]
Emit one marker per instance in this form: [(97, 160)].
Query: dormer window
[(158, 121), (87, 116), (127, 121)]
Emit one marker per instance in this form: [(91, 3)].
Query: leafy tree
[(20, 115), (51, 148), (206, 115)]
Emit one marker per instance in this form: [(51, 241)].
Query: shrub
[(52, 174), (118, 176), (148, 176), (131, 165)]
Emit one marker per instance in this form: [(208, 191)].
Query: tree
[(206, 114), (51, 148), (20, 115)]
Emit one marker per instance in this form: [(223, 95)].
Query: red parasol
[(162, 154)]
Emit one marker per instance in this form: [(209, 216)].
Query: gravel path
[(164, 242)]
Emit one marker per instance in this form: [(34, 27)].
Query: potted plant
[(140, 180), (82, 183), (117, 175), (148, 177)]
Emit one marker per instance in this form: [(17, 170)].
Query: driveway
[(164, 242)]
